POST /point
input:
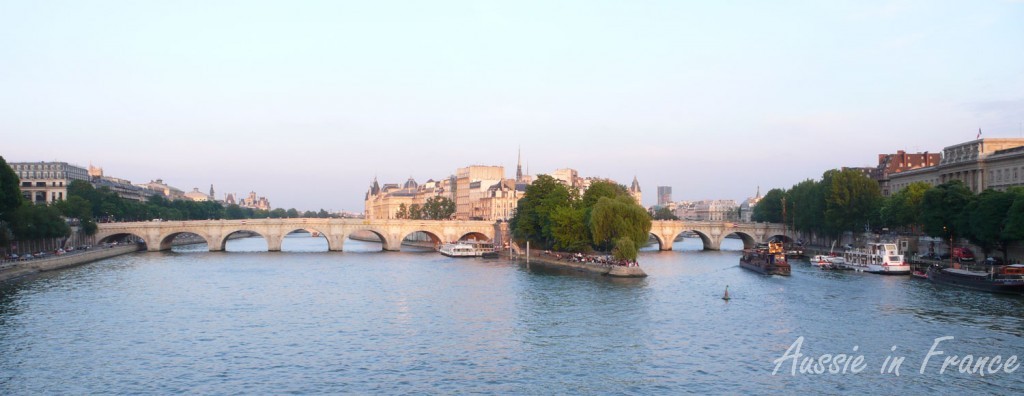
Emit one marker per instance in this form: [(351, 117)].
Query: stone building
[(980, 164), (634, 190), (159, 187), (47, 182), (483, 177)]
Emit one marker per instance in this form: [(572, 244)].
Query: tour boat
[(468, 249), (822, 260), (1006, 279), (877, 258), (770, 260)]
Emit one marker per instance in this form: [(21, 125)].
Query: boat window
[(894, 258)]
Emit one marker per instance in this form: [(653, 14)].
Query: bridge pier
[(273, 242)]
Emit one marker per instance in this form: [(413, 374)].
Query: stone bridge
[(713, 232), (159, 235)]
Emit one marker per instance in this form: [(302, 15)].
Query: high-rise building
[(664, 195)]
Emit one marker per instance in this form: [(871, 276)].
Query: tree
[(31, 222), (941, 207), (532, 220), (662, 213), (309, 214), (323, 214), (1014, 230), (233, 212), (403, 212), (292, 213), (278, 213), (988, 219), (438, 208), (415, 212), (613, 219), (569, 230), (625, 249), (769, 209), (10, 193), (806, 201), (852, 202)]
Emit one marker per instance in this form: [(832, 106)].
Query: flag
[(979, 134)]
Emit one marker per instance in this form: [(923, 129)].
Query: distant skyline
[(306, 102)]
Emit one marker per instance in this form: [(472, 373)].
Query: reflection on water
[(305, 320)]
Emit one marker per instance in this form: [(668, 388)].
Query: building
[(255, 202), (47, 182), (747, 207), (198, 196), (889, 164), (634, 190), (569, 177), (123, 188), (386, 202), (483, 177), (980, 164), (664, 195), (716, 210), (160, 188)]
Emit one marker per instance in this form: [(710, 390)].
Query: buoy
[(726, 296)]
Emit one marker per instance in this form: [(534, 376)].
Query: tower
[(212, 196), (519, 166), (634, 190)]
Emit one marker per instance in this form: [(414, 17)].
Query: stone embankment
[(14, 269), (619, 271)]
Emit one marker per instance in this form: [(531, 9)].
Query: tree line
[(847, 200), (604, 218), (85, 205), (435, 208)]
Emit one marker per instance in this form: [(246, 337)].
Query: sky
[(305, 102)]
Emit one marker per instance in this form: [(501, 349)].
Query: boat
[(822, 260), (877, 258), (919, 274), (768, 260), (468, 249), (1007, 279)]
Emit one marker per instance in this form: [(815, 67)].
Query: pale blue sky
[(305, 101)]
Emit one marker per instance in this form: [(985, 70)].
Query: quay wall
[(602, 269), (16, 269)]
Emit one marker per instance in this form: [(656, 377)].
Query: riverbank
[(619, 271), (14, 269)]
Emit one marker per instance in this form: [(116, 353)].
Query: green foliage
[(663, 213), (852, 202), (903, 209), (415, 212), (438, 208), (532, 220), (234, 212), (806, 203), (941, 209), (769, 209), (10, 193), (613, 219), (569, 229), (278, 213), (293, 213), (309, 214), (403, 212), (988, 220), (625, 249), (31, 222), (1014, 230)]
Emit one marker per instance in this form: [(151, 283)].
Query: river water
[(363, 321)]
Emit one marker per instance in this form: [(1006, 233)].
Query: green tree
[(30, 222), (769, 209), (613, 219), (987, 220), (415, 212), (532, 220), (278, 213), (293, 213), (10, 192), (662, 213), (234, 212), (806, 202), (1014, 230), (323, 214), (403, 212), (941, 209), (569, 229), (625, 249), (309, 214), (852, 202), (438, 208)]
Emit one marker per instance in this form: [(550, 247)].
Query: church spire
[(519, 165), (212, 196)]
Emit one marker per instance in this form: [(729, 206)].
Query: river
[(364, 321)]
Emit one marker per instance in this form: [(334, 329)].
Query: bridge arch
[(221, 243), (474, 235), (779, 237), (434, 236), (119, 237), (749, 241), (167, 240), (311, 230)]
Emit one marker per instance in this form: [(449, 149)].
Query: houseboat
[(1007, 279), (768, 260)]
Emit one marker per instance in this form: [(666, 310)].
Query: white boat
[(824, 259), (467, 249), (877, 258)]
